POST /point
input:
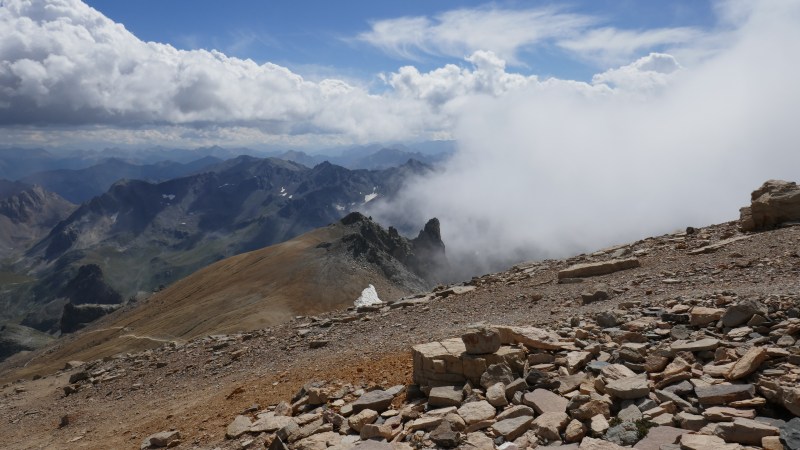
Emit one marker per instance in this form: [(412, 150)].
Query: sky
[(577, 124), (303, 74)]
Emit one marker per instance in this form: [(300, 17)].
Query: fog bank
[(560, 167)]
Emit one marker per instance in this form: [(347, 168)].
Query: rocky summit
[(690, 343)]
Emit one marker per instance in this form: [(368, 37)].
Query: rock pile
[(694, 374), (774, 203)]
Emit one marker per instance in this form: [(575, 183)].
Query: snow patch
[(370, 197), (339, 207), (369, 297), (168, 196)]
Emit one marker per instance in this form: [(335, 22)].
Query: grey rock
[(790, 434), (513, 428), (445, 396), (481, 341), (742, 312), (445, 437), (161, 439), (720, 394), (377, 400), (625, 433), (497, 373)]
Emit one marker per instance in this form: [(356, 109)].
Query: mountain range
[(142, 236)]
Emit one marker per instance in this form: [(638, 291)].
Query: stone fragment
[(543, 401), (692, 422), (445, 396), (625, 433), (515, 411), (705, 442), (598, 268), (599, 425), (550, 425), (745, 431), (512, 428), (695, 346), (790, 434), (269, 423), (630, 413), (481, 341), (497, 373), (478, 441), (575, 431), (775, 202), (530, 337), (616, 372), (378, 431), (721, 394), (726, 414), (319, 441), (496, 395), (655, 363), (576, 360), (701, 316), (790, 397), (78, 376), (771, 443), (364, 417), (518, 385), (424, 423), (162, 439), (377, 400), (629, 388), (445, 437), (598, 444), (239, 426), (476, 411), (748, 363), (743, 311), (659, 436), (597, 293)]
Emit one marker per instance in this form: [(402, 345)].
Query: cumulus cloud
[(643, 75), (64, 63), (561, 167)]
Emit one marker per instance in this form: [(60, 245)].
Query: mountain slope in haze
[(79, 185), (322, 270), (370, 158), (27, 213), (143, 235)]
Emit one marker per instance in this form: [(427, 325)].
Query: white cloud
[(461, 32), (62, 62), (608, 46), (507, 32), (643, 75), (562, 167)]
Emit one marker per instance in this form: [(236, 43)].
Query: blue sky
[(314, 74), (318, 37)]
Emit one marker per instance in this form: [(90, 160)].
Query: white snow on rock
[(369, 297), (369, 197)]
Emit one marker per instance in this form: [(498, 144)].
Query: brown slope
[(245, 292)]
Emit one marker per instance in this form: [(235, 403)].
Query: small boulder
[(481, 341)]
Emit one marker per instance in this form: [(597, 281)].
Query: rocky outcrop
[(76, 317), (27, 213), (16, 338), (89, 286), (424, 256), (774, 203)]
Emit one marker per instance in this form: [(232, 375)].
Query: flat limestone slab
[(598, 268)]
